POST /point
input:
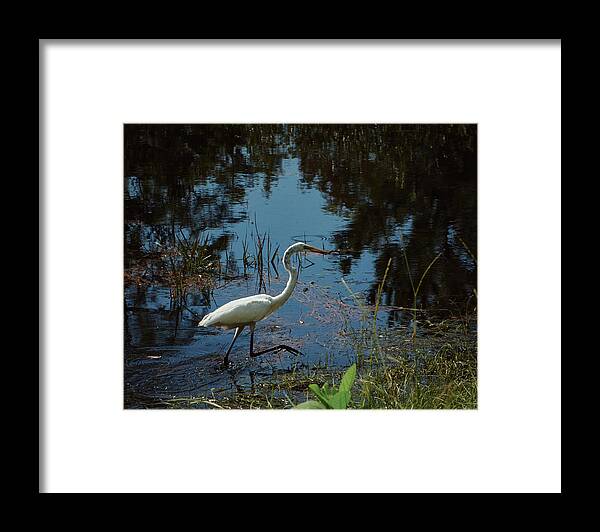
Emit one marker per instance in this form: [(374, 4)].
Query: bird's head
[(299, 247), (302, 246)]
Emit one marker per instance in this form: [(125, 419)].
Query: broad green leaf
[(310, 405), (320, 396), (340, 400), (348, 379)]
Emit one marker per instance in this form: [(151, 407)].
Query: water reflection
[(411, 187)]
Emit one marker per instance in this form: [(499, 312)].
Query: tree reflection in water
[(398, 188), (410, 188)]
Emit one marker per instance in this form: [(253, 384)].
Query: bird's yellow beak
[(313, 249)]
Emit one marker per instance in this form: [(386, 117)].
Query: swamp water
[(209, 210)]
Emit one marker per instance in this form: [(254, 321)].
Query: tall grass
[(415, 290), (190, 263), (259, 254), (375, 336), (445, 378), (398, 377)]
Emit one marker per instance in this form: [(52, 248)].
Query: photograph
[(300, 266)]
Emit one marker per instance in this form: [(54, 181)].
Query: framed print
[(265, 261)]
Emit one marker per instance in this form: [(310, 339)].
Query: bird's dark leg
[(252, 339), (279, 347), (276, 348), (238, 331)]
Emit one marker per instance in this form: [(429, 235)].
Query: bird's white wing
[(239, 312)]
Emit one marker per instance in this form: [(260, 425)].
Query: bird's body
[(247, 311), (240, 312)]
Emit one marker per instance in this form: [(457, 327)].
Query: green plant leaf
[(348, 379), (320, 395), (330, 397), (340, 400), (327, 391), (310, 405)]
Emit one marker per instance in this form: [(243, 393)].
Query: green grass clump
[(447, 379)]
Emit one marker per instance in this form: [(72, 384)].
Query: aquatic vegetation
[(194, 262), (262, 259), (331, 397), (420, 378), (417, 288), (190, 264)]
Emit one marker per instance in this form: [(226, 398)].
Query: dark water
[(378, 192)]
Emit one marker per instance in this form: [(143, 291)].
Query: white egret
[(247, 311)]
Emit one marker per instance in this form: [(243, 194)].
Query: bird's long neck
[(291, 284)]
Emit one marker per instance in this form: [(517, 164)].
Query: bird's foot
[(277, 349), (294, 351)]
